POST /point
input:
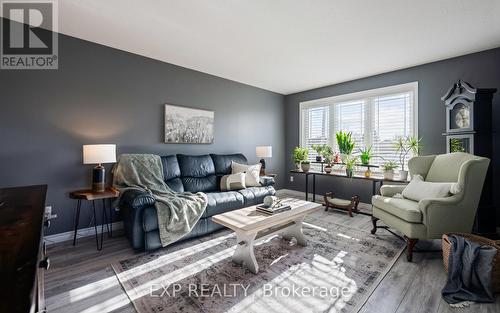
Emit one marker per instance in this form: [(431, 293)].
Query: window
[(376, 118)]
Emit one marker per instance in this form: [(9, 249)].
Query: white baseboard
[(82, 232)]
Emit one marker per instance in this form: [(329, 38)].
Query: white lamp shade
[(98, 154), (264, 151)]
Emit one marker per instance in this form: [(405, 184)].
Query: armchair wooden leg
[(374, 222), (410, 244)]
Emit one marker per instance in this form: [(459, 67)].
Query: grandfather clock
[(469, 118)]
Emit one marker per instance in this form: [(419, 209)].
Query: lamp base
[(262, 167), (98, 174)]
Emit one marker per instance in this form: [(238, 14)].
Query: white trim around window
[(327, 115)]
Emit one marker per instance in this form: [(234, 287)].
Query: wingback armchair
[(431, 218)]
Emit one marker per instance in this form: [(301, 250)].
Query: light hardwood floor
[(81, 280)]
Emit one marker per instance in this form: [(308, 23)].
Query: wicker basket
[(495, 273)]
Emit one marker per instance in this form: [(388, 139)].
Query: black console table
[(375, 179)]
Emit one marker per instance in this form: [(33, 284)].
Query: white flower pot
[(403, 175), (389, 175), (305, 167)]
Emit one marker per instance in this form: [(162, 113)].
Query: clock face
[(460, 116)]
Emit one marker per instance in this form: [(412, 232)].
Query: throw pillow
[(419, 189), (232, 182), (252, 177)]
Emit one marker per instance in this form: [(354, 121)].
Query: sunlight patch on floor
[(321, 273), (94, 288)]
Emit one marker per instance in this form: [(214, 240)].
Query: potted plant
[(327, 154), (389, 168), (349, 162), (305, 165), (345, 142), (319, 150), (366, 155), (405, 145), (300, 155)]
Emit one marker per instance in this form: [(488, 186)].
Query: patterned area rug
[(336, 272)]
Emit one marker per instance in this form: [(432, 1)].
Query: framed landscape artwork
[(187, 125)]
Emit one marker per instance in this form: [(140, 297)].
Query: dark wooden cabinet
[(23, 258)]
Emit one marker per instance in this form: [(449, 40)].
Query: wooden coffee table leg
[(296, 231), (244, 251)]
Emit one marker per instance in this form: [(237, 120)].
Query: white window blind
[(375, 118), (316, 131)]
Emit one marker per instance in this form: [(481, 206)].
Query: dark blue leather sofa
[(188, 173)]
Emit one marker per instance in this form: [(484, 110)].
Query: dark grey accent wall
[(104, 95), (481, 69)]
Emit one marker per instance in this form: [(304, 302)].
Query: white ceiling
[(288, 46)]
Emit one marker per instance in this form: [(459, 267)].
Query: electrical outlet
[(48, 213), (291, 179), (48, 210)]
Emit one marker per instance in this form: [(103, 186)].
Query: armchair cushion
[(405, 209), (419, 189), (391, 190)]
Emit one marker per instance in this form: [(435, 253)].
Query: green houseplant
[(389, 168), (328, 158), (366, 155), (405, 145), (300, 155), (319, 150), (345, 142), (349, 162)]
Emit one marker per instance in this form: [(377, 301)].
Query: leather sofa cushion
[(222, 162), (255, 195), (221, 202), (172, 173), (404, 209), (196, 165), (175, 184), (197, 173), (203, 184)]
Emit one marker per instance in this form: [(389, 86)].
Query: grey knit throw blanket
[(178, 212)]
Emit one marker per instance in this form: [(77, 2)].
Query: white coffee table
[(250, 225)]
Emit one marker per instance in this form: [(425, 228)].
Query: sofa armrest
[(137, 199), (391, 190), (267, 181), (132, 204)]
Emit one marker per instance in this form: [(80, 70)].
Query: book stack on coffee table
[(273, 209)]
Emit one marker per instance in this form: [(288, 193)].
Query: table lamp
[(99, 154), (263, 152)]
